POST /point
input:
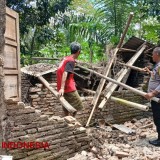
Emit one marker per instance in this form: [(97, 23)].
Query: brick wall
[(65, 136), (43, 100), (117, 113)]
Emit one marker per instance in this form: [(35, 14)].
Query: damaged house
[(33, 112)]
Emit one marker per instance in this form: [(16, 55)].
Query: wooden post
[(107, 69)]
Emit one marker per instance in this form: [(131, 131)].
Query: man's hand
[(151, 94), (61, 92), (146, 69)]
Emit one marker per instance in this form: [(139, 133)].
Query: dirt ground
[(112, 144)]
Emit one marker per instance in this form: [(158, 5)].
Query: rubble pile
[(41, 67), (110, 144)]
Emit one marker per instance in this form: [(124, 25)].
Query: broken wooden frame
[(121, 84), (111, 87), (108, 67)]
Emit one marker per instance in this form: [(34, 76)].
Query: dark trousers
[(156, 115)]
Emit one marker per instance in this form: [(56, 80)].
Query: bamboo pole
[(129, 103), (121, 101), (121, 84)]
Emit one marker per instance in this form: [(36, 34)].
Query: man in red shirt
[(65, 79)]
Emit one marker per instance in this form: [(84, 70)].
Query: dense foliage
[(47, 27)]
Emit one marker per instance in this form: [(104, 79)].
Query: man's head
[(75, 48), (156, 54)]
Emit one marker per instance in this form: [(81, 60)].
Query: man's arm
[(64, 77), (154, 92)]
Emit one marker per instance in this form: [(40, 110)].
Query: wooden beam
[(107, 68), (134, 90), (127, 50), (125, 30), (111, 87), (132, 67), (61, 99)]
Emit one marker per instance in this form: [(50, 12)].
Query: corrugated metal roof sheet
[(134, 43)]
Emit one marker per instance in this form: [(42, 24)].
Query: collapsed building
[(37, 115)]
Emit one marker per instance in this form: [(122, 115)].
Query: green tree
[(35, 18)]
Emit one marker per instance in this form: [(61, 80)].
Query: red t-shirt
[(67, 65)]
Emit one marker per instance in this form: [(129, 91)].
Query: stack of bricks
[(45, 101), (64, 136)]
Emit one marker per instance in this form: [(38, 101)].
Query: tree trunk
[(91, 51), (2, 42)]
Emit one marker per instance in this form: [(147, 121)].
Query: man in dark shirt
[(154, 91), (65, 79)]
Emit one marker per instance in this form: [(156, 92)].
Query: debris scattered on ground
[(110, 144)]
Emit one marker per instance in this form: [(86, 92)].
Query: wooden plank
[(6, 72), (124, 80), (11, 32), (102, 81), (107, 68), (10, 12), (125, 30), (12, 56), (111, 87), (10, 42), (50, 88), (10, 86)]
